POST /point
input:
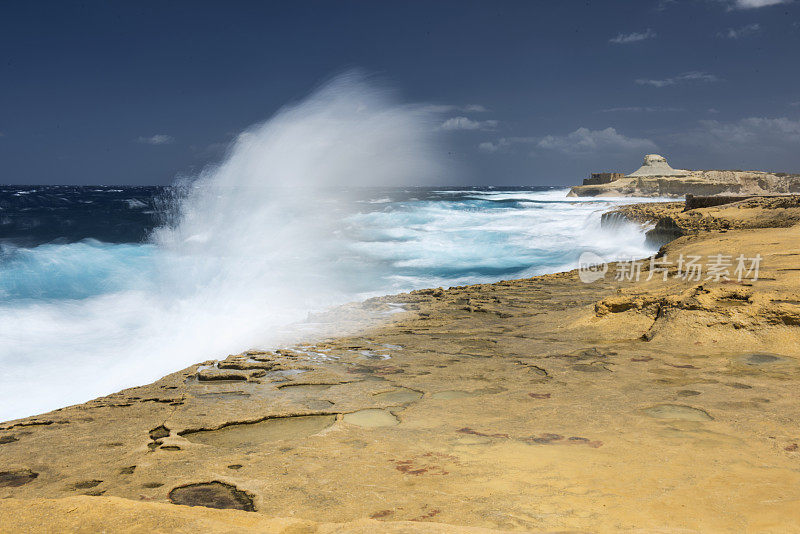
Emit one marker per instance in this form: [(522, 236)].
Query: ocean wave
[(245, 256)]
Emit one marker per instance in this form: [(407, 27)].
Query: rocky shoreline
[(535, 405), (671, 220)]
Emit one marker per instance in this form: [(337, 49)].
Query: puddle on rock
[(273, 429), (212, 495), (760, 358), (399, 396), (13, 479), (677, 411), (371, 418)]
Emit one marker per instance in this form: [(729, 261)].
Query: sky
[(535, 92)]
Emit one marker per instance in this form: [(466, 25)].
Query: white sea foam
[(254, 246)]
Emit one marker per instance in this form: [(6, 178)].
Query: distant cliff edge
[(655, 178)]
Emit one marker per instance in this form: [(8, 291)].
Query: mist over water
[(310, 209)]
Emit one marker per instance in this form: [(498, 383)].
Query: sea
[(92, 300), (108, 287)]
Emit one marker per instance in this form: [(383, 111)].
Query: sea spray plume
[(253, 247), (347, 134), (260, 233)]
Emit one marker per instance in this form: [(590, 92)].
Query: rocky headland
[(657, 179), (658, 404)]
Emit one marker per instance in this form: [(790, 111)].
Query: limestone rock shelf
[(670, 220), (657, 179)]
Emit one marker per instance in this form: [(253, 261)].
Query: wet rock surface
[(253, 434)]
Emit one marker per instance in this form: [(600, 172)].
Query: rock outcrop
[(655, 165), (673, 220), (657, 179)]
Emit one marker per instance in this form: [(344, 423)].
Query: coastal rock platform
[(537, 405)]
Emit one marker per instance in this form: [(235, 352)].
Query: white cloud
[(505, 143), (686, 77), (157, 139), (757, 134), (738, 33), (581, 141), (753, 4), (475, 108), (451, 108), (464, 123), (584, 140), (754, 128), (627, 38)]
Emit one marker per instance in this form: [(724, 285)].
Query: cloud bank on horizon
[(754, 4)]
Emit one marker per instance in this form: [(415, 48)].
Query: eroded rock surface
[(538, 405)]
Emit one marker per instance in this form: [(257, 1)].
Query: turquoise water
[(84, 318)]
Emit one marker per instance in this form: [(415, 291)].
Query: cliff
[(694, 183), (655, 178)]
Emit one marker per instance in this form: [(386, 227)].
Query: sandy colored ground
[(538, 405), (112, 514)]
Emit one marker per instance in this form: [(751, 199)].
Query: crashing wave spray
[(253, 247), (260, 232)]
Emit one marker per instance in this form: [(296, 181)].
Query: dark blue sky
[(531, 92)]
